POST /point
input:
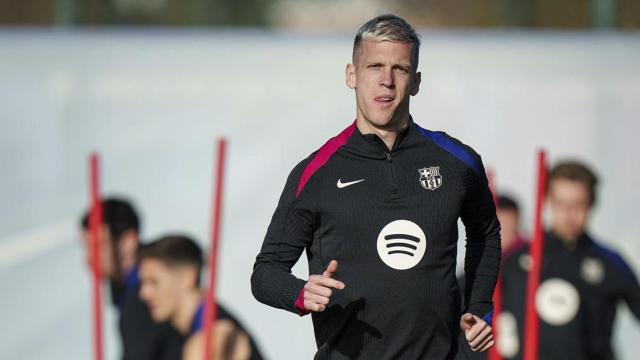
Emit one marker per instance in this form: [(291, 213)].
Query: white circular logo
[(557, 301), (592, 271), (507, 341), (401, 244)]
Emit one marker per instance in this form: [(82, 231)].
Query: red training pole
[(210, 307), (497, 293), (532, 325), (95, 223)]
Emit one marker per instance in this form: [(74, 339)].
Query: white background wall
[(152, 103)]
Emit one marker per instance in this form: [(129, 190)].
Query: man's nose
[(387, 78), (144, 292)]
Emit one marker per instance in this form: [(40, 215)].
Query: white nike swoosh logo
[(344, 185)]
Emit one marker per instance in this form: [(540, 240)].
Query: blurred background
[(150, 84)]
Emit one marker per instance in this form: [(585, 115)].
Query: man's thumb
[(331, 269), (468, 321)]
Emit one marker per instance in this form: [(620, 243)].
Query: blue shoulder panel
[(131, 284), (614, 258), (440, 139), (197, 322)]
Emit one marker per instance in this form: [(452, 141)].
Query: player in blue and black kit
[(376, 209), (142, 339), (170, 270), (581, 281)]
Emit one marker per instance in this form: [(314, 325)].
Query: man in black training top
[(376, 208), (142, 339), (581, 281), (170, 271)]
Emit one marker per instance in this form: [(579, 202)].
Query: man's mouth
[(151, 306), (384, 99)]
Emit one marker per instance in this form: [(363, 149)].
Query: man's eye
[(374, 66), (403, 70)]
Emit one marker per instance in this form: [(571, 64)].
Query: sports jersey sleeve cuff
[(299, 304), (488, 318), (482, 310)]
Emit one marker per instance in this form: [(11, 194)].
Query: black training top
[(389, 217), (576, 300)]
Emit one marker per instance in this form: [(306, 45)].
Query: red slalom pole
[(95, 223), (532, 325), (210, 307), (497, 292)]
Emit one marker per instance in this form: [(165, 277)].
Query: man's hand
[(477, 332), (317, 291)]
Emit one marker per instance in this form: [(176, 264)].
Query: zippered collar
[(372, 146)]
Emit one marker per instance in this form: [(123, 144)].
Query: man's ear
[(189, 277), (128, 243), (350, 75), (415, 87)]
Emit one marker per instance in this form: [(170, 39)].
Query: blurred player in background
[(170, 273), (508, 213), (581, 283), (142, 338)]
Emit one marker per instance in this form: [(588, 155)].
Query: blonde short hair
[(389, 27)]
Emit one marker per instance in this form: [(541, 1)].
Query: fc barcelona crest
[(430, 177)]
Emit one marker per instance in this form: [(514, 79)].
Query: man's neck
[(508, 241), (127, 267), (569, 242), (387, 134), (186, 310), (119, 278)]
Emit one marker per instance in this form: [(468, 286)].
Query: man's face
[(384, 79), (106, 251), (508, 225), (570, 205), (160, 288)]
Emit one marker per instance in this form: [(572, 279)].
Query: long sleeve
[(290, 231), (603, 293), (482, 260), (630, 290)]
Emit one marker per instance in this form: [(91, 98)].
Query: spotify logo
[(557, 301), (401, 244)]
